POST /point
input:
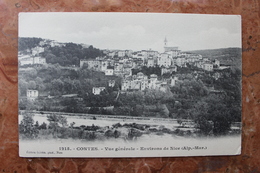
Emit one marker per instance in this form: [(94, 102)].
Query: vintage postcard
[(129, 85)]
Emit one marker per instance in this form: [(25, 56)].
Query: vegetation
[(58, 128), (25, 43), (212, 103), (148, 71), (190, 98), (68, 54), (27, 128), (227, 56)]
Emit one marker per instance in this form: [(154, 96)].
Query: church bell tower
[(165, 42)]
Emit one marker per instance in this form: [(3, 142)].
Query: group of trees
[(191, 97), (70, 54), (212, 103), (66, 89), (55, 80), (150, 103), (148, 70), (25, 43), (30, 129), (66, 54)]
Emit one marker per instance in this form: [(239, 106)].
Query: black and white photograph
[(94, 85)]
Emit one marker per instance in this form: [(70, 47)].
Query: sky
[(135, 31)]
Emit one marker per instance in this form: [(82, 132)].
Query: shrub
[(27, 127), (43, 126)]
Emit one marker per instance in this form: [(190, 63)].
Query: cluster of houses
[(32, 58), (121, 63), (142, 82)]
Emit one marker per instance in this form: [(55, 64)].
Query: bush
[(27, 127), (205, 127), (43, 126)]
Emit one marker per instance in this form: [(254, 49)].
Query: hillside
[(25, 43), (64, 54), (227, 56)]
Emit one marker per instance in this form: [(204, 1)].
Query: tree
[(71, 105), (23, 86), (50, 58), (163, 111), (94, 110), (28, 43), (31, 104), (202, 117), (220, 116), (43, 126), (56, 122), (57, 87), (32, 74), (32, 85), (154, 96), (204, 125), (36, 124), (27, 127), (213, 115)]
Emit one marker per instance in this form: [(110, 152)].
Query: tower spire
[(165, 42)]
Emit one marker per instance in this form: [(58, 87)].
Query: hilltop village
[(79, 78), (123, 62)]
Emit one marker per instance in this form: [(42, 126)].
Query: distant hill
[(227, 56)]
